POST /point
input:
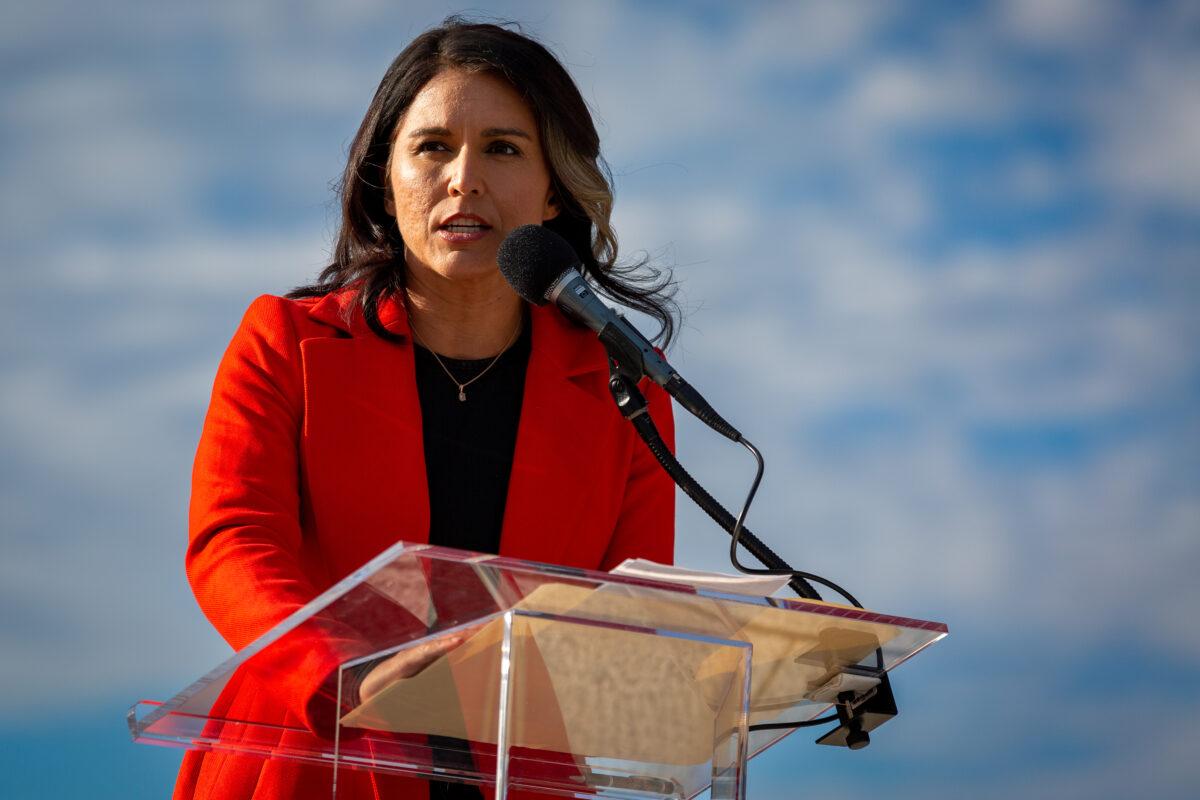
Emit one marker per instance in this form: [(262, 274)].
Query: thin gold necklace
[(462, 387)]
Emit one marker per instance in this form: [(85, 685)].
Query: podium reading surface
[(571, 682)]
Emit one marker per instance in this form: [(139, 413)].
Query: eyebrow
[(517, 132), (489, 133)]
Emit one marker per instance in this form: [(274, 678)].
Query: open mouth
[(464, 227)]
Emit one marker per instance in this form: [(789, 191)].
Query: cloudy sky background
[(941, 262)]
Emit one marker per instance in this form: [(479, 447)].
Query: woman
[(411, 394)]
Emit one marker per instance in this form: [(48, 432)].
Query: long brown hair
[(369, 251)]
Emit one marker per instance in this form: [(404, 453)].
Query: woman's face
[(466, 168)]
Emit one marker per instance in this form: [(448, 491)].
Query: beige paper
[(620, 694)]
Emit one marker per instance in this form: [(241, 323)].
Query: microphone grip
[(695, 403)]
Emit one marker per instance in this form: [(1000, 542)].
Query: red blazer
[(311, 462)]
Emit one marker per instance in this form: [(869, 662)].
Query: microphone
[(542, 267)]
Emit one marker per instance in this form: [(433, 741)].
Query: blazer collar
[(572, 349), (341, 310)]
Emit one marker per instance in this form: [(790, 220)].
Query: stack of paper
[(757, 585)]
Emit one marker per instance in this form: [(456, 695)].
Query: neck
[(470, 321)]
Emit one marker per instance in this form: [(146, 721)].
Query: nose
[(465, 175)]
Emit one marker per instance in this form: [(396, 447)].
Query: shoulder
[(307, 315), (284, 321), (269, 340)]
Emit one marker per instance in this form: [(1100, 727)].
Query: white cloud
[(1060, 24), (786, 35), (1149, 128), (90, 148), (212, 262)]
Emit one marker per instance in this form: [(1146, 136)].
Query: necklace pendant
[(462, 395)]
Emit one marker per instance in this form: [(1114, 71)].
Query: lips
[(463, 228)]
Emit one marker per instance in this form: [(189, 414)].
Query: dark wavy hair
[(369, 251)]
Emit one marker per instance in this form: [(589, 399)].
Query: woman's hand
[(408, 663)]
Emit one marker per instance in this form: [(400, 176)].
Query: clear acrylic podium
[(567, 682)]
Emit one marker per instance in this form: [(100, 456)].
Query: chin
[(468, 269)]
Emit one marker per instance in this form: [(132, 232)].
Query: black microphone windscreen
[(531, 258)]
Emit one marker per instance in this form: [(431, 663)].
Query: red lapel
[(559, 441), (363, 425)]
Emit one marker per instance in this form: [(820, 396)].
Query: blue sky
[(941, 261)]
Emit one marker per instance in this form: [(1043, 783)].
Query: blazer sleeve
[(646, 525), (245, 555)]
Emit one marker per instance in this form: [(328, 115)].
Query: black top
[(469, 443), (469, 448)]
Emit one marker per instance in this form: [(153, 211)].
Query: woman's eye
[(431, 147), (504, 149)]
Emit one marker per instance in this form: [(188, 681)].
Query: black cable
[(739, 529), (779, 726), (650, 435), (735, 527)]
